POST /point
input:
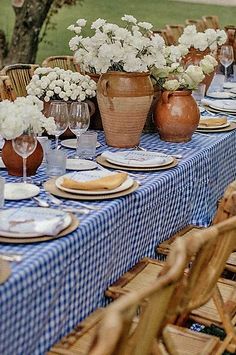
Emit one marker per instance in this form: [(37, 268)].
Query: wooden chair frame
[(211, 21), (65, 62), (6, 89), (20, 76)]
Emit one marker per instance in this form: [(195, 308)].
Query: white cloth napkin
[(26, 225), (138, 158)]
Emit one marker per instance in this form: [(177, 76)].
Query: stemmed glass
[(79, 121), (226, 57), (59, 111), (24, 146)]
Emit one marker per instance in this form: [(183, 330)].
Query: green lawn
[(158, 12)]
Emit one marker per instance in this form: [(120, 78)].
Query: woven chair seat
[(79, 341), (186, 341)]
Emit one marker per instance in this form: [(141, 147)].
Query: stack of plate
[(223, 106), (30, 224), (56, 186), (215, 124), (137, 160)]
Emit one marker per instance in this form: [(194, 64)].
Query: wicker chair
[(174, 32), (225, 210), (134, 323), (211, 21), (20, 76), (65, 62), (209, 301), (6, 89), (200, 24)]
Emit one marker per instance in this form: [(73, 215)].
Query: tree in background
[(31, 16)]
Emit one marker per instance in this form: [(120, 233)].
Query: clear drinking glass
[(79, 120), (226, 57), (24, 146), (59, 111)]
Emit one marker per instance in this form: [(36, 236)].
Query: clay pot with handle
[(176, 116), (124, 101)]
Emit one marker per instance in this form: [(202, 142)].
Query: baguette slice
[(105, 183)]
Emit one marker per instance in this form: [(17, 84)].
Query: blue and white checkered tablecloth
[(60, 282)]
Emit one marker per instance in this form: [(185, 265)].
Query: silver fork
[(11, 257), (43, 203), (140, 176)]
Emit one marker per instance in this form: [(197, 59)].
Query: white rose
[(171, 85)]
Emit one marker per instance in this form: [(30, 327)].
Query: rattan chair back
[(20, 76), (174, 32), (6, 89), (146, 308), (65, 62), (211, 248), (200, 24), (211, 21)]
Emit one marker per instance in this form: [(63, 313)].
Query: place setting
[(92, 185), (216, 124), (221, 106), (137, 160), (35, 224)]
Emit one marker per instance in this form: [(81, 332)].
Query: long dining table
[(59, 282)]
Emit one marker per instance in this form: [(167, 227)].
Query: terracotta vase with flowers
[(53, 84), (177, 114), (25, 113), (123, 56)]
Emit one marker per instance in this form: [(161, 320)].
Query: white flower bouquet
[(132, 48), (176, 75), (59, 84), (210, 38), (22, 114)]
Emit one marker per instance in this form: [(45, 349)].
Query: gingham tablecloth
[(58, 283)]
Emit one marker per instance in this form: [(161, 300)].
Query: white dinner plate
[(28, 215), (20, 191), (71, 143), (80, 164), (92, 175), (224, 105), (229, 85), (233, 90), (138, 158), (221, 95), (2, 165)]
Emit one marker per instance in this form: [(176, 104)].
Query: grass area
[(158, 12)]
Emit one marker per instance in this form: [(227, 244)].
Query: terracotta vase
[(14, 162), (176, 116), (194, 57), (68, 133), (124, 101)]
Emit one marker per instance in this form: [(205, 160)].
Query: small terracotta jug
[(14, 162), (176, 116)]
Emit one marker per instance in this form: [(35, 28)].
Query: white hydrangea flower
[(171, 85), (81, 22), (24, 112), (54, 84), (146, 25), (129, 18)]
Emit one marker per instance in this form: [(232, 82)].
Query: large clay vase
[(68, 133), (194, 57), (124, 101), (176, 116), (14, 162)]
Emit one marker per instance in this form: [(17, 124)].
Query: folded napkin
[(32, 227), (212, 121), (136, 158), (5, 271), (108, 182)]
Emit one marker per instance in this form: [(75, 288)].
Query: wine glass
[(226, 57), (59, 111), (79, 121), (24, 146)]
